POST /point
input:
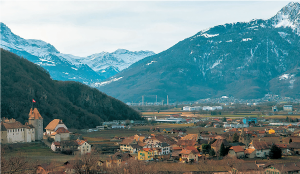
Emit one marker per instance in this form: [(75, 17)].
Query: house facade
[(146, 154)]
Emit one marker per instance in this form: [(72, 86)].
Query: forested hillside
[(78, 105)]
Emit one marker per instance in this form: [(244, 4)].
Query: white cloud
[(86, 27)]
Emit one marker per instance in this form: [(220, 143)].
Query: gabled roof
[(52, 125), (61, 130), (237, 149), (80, 142), (165, 139), (192, 148), (147, 149), (34, 114), (190, 137), (185, 151), (261, 145), (218, 143), (127, 141)]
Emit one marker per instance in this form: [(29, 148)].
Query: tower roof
[(34, 114)]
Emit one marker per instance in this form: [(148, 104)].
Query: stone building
[(36, 120)]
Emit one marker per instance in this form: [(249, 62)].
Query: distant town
[(194, 141)]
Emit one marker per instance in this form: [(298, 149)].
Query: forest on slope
[(78, 105)]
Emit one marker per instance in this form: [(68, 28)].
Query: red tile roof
[(80, 142), (61, 130), (52, 125), (237, 149)]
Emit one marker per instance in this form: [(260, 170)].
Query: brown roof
[(192, 148), (14, 125), (294, 145), (190, 137), (52, 125), (186, 142), (287, 167), (61, 130), (34, 114), (56, 143), (165, 139), (261, 145), (186, 152), (218, 143), (127, 141), (237, 149)]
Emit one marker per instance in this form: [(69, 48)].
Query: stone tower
[(36, 120)]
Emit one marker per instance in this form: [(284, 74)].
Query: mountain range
[(88, 70), (245, 60)]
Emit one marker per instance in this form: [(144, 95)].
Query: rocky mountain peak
[(288, 16)]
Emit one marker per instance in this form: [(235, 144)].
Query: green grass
[(34, 151)]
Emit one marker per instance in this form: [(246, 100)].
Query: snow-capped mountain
[(243, 59), (88, 70), (112, 63)]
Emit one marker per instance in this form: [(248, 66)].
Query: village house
[(217, 145), (262, 149), (55, 146), (250, 153), (69, 147), (83, 147), (189, 155), (236, 151), (117, 159), (145, 154), (53, 126), (127, 143), (61, 134)]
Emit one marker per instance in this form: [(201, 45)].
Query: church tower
[(36, 120)]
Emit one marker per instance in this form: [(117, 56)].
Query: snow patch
[(286, 76), (151, 62), (209, 35), (283, 34), (74, 68), (106, 82), (216, 63), (229, 41), (246, 39)]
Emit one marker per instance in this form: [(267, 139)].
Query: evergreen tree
[(206, 148), (223, 151), (212, 152), (235, 138), (224, 119), (275, 152)]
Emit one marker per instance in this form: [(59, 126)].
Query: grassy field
[(35, 151)]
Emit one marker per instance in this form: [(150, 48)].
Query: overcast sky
[(83, 28)]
